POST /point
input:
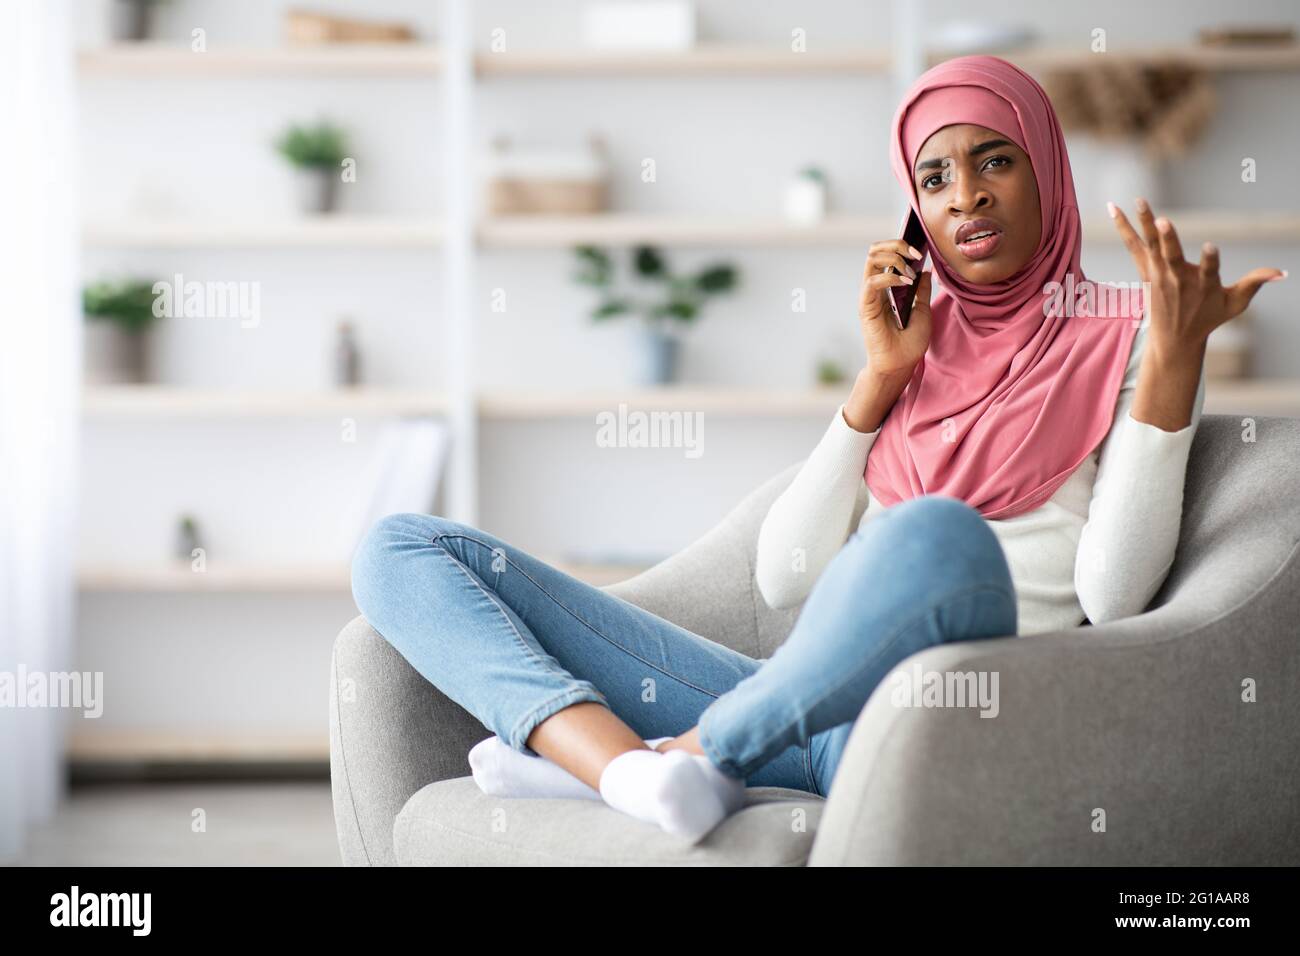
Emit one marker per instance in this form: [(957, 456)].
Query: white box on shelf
[(650, 25)]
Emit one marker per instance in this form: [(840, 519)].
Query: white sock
[(670, 790), (729, 789), (503, 771)]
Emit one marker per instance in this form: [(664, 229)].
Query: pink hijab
[(1006, 402)]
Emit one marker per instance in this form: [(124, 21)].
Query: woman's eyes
[(925, 183)]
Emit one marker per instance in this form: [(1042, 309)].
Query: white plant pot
[(805, 200), (317, 190), (658, 355), (114, 356)]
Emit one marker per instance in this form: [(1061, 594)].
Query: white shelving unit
[(163, 401), (152, 60), (346, 232), (723, 59), (1235, 59), (615, 229), (542, 232), (245, 578), (457, 238), (458, 66)]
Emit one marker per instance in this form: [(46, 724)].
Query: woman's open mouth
[(979, 239)]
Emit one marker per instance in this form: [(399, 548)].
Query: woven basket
[(300, 26), (515, 196)]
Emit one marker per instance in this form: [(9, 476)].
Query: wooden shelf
[(1264, 396), (1254, 58), (239, 578), (165, 401), (614, 228), (342, 59), (629, 228), (520, 232), (423, 60), (1223, 396), (307, 232), (198, 747), (1277, 396), (245, 578), (703, 59), (729, 401), (1200, 225)]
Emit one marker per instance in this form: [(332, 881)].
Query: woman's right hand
[(892, 353)]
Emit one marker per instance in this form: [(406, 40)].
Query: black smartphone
[(901, 297)]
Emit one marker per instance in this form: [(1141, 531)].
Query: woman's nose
[(965, 197)]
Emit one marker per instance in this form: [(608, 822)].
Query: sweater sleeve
[(809, 522), (1127, 545)]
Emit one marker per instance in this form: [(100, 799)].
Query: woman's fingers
[(886, 248), (1238, 295), (1132, 241), (1209, 267), (1170, 247), (1147, 222), (872, 304), (882, 280), (880, 260)]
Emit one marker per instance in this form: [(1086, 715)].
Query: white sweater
[(1099, 548)]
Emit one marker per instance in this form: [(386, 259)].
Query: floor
[(286, 823)]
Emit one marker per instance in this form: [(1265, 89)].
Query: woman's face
[(971, 180)]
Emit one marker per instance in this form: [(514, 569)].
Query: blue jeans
[(513, 640)]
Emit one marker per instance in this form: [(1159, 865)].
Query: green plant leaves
[(594, 266), (319, 146), (686, 295), (128, 303), (648, 262), (716, 279), (610, 308)]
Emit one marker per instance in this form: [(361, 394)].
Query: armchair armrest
[(391, 733), (1139, 725)]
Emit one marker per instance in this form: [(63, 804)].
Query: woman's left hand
[(1187, 299)]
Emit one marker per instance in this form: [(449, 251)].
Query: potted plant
[(119, 316), (806, 196), (132, 20), (317, 153), (678, 302)]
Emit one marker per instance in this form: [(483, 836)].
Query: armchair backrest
[(1241, 524)]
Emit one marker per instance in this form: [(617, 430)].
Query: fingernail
[(1141, 204), (1112, 209), (1209, 249), (915, 254), (911, 272), (1279, 278), (906, 279), (1162, 224)]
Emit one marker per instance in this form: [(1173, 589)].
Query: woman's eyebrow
[(983, 147)]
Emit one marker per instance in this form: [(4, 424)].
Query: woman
[(1015, 462)]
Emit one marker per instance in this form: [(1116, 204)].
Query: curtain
[(40, 344)]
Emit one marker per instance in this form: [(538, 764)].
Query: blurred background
[(275, 270)]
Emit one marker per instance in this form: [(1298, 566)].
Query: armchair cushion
[(453, 823)]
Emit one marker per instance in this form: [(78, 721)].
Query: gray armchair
[(1131, 743)]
